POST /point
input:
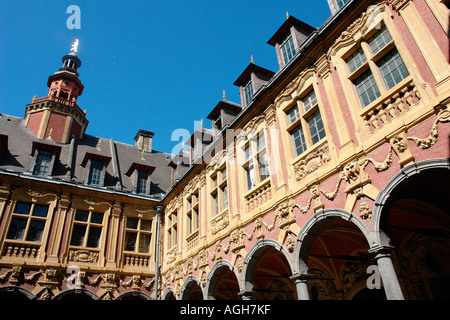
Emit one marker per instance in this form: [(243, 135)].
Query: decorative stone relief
[(312, 161)]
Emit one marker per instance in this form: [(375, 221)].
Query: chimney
[(143, 140)]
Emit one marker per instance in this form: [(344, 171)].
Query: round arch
[(16, 293), (169, 294), (213, 277), (192, 289), (134, 295), (306, 235), (385, 195), (77, 294), (252, 260)]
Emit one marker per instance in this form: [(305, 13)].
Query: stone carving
[(443, 116), (83, 256), (312, 162)]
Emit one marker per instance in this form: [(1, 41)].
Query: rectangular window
[(95, 172), (316, 128), (225, 197), (309, 101), (137, 235), (298, 140), (379, 40), (256, 166), (248, 93), (28, 222), (341, 3), (356, 60), (293, 115), (87, 229), (367, 88), (43, 161), (263, 165), (172, 233), (142, 182), (250, 176), (192, 214), (287, 50), (392, 68)]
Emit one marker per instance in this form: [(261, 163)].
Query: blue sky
[(152, 65)]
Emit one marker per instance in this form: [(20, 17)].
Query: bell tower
[(57, 115)]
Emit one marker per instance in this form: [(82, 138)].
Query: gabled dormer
[(222, 114), (289, 38), (250, 81)]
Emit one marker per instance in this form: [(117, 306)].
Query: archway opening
[(416, 219), (226, 286), (76, 295), (272, 277), (338, 261), (193, 291)]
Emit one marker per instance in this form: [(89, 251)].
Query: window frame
[(88, 225), (138, 231), (172, 230), (29, 217)]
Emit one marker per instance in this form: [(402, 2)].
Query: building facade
[(328, 181)]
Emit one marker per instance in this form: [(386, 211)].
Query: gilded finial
[(74, 48), (224, 96), (287, 15), (251, 59), (202, 124), (142, 154), (99, 142), (50, 133)]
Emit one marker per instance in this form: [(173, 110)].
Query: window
[(287, 49), (388, 64), (219, 191), (138, 234), (87, 229), (248, 93), (43, 163), (142, 178), (192, 213), (305, 124), (341, 3), (172, 230), (95, 172), (256, 163), (28, 222)]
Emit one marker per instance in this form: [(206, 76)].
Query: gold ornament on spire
[(74, 48), (251, 59), (287, 15), (224, 96)]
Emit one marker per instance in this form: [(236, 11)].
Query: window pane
[(144, 243), (224, 174), (225, 197), (341, 3), (392, 68), (96, 217), (35, 231), (94, 237), (247, 153), (287, 49), (23, 208), (298, 140), (356, 60), (379, 40), (82, 215), (132, 223), (130, 241), (216, 204), (263, 167), (260, 141), (367, 88), (250, 176), (42, 163), (146, 225), (40, 210), (292, 115), (309, 101), (78, 235), (316, 127), (142, 182), (248, 93), (17, 229), (95, 172)]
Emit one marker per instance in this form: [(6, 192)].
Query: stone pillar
[(388, 276), (112, 254), (301, 286), (246, 295)]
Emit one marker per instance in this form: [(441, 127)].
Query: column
[(112, 254), (388, 276), (301, 286), (60, 217), (246, 295)]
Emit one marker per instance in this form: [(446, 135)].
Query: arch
[(213, 277), (16, 293), (134, 295), (305, 236), (169, 294), (385, 195), (192, 286), (269, 249), (76, 294)]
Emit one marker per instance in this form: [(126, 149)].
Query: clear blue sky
[(152, 65)]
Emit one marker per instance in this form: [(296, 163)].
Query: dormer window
[(248, 93), (287, 49), (96, 168), (45, 157), (140, 177), (43, 163)]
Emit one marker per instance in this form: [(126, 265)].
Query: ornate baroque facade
[(331, 172)]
